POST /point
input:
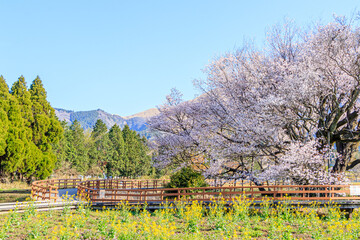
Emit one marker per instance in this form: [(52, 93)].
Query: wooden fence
[(103, 191), (94, 190), (115, 190), (48, 189), (123, 184), (43, 190)]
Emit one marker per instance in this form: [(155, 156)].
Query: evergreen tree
[(136, 160), (4, 109), (19, 90), (11, 149), (59, 148), (24, 133), (101, 151), (46, 127), (28, 127), (99, 129), (75, 150), (116, 166)]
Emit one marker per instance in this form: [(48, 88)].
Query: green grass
[(8, 192), (13, 197)]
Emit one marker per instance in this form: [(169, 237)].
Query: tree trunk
[(346, 161)]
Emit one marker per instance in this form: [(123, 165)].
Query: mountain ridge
[(87, 119)]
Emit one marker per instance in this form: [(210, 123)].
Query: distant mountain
[(145, 114), (88, 119)]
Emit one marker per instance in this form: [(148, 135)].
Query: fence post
[(274, 193), (303, 194)]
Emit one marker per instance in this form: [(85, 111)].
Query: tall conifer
[(20, 91), (116, 166), (14, 132), (102, 150), (4, 108), (76, 152), (99, 129), (46, 127), (137, 162)]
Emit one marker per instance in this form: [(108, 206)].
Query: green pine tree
[(14, 133), (46, 127), (136, 161), (20, 91), (115, 166), (76, 151), (28, 127), (4, 109), (101, 151), (99, 129), (59, 148)]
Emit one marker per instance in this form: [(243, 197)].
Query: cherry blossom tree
[(303, 164), (258, 106)]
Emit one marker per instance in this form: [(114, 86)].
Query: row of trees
[(33, 142), (286, 111), (115, 152), (28, 129)]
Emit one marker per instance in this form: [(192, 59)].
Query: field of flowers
[(183, 221)]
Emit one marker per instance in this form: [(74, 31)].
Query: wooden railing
[(124, 184), (94, 189), (65, 183), (104, 191), (115, 190), (43, 190), (48, 189)]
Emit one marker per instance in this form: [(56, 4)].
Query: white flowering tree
[(258, 106)]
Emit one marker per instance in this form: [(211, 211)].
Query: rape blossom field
[(179, 220)]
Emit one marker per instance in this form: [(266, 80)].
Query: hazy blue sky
[(125, 56)]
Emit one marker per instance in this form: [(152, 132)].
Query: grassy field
[(183, 222), (14, 192), (14, 186), (6, 197)]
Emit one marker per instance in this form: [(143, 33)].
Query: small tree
[(186, 177)]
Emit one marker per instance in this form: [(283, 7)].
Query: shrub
[(186, 177)]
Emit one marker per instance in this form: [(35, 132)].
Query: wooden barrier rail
[(48, 189), (43, 190), (124, 184), (104, 191), (90, 189), (65, 183), (115, 190)]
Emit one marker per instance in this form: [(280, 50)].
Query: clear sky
[(125, 56)]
